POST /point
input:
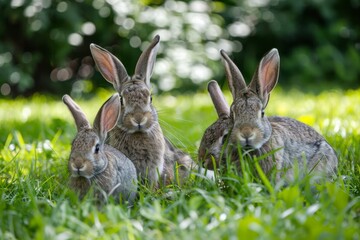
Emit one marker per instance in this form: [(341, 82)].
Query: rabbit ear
[(218, 99), (78, 115), (109, 66), (266, 76), (236, 80), (107, 116), (145, 64)]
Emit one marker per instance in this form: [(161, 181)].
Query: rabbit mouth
[(79, 169), (247, 139), (140, 127), (245, 144), (138, 123), (250, 145), (247, 147), (137, 129), (79, 174)]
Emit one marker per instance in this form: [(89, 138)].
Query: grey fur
[(109, 171), (211, 145), (138, 133), (294, 143)]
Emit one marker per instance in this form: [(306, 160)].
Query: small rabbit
[(93, 162), (211, 145), (138, 133), (294, 142)]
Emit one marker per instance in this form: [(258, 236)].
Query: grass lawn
[(36, 203)]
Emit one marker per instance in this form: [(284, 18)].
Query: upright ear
[(145, 64), (107, 116), (266, 76), (236, 80), (218, 99), (109, 66), (78, 115)]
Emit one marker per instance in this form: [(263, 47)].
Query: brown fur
[(95, 164), (293, 142), (138, 134), (145, 149), (212, 142)]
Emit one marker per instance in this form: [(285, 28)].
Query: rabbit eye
[(150, 99), (97, 148), (262, 113)]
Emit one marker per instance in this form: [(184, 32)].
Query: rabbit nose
[(246, 135), (77, 165), (139, 121)]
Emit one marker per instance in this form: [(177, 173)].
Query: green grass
[(36, 204)]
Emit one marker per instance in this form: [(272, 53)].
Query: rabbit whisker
[(169, 130)]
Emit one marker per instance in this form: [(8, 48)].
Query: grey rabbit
[(92, 162), (293, 142), (138, 133), (211, 145)]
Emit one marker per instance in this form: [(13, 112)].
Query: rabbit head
[(251, 128), (216, 134), (137, 112), (87, 152)]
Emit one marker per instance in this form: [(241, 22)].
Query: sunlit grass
[(36, 204)]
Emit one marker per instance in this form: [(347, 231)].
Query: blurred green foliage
[(44, 44)]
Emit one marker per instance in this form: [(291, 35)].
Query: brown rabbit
[(293, 142), (213, 140), (92, 162), (138, 133)]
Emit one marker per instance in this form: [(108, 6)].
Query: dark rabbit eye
[(262, 113), (150, 99), (97, 148)]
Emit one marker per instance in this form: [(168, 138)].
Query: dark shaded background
[(44, 44)]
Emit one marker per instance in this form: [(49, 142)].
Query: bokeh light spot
[(88, 28), (15, 77), (75, 39), (239, 29), (17, 3), (5, 89), (62, 7), (135, 42)]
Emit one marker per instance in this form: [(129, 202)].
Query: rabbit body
[(293, 142), (146, 151), (299, 142), (180, 162), (138, 133), (95, 164), (245, 124), (110, 172)]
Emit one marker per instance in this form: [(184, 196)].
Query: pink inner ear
[(109, 118), (105, 64), (268, 76)]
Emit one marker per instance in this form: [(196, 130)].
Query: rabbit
[(214, 137), (92, 162), (138, 133), (291, 142)]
